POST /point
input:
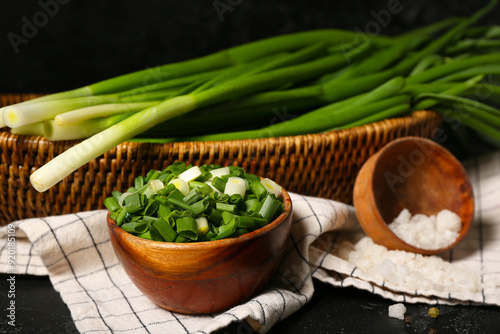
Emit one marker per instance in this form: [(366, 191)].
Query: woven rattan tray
[(323, 165)]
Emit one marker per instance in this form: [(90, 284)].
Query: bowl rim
[(287, 212), (466, 225)]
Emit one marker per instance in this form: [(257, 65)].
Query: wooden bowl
[(413, 173), (204, 277)]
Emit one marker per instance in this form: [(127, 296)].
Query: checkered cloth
[(76, 253)]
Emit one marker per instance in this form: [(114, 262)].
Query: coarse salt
[(409, 270), (397, 311), (427, 232)]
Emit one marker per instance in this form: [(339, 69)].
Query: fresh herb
[(187, 207), (311, 82)]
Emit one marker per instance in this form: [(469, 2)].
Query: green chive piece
[(152, 175), (187, 228), (139, 182), (253, 206), (177, 168), (269, 207), (228, 229), (181, 239), (260, 222), (165, 229), (227, 217), (133, 203), (116, 194), (154, 234), (258, 189), (167, 190), (164, 210), (241, 231), (179, 203), (246, 222), (219, 184), (129, 227), (196, 184), (111, 204), (146, 235), (191, 197), (215, 217), (200, 206), (235, 199), (151, 207), (202, 215), (121, 217), (226, 207), (141, 227), (209, 236)]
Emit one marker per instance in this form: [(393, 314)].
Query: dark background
[(78, 42)]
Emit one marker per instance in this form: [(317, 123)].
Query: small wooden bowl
[(413, 173), (204, 277)]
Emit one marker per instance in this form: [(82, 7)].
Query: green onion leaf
[(165, 230), (187, 228)]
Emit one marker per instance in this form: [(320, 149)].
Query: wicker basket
[(323, 165)]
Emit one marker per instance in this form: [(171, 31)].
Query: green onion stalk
[(326, 79), (70, 160)]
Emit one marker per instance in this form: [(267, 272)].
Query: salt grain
[(409, 270), (425, 232), (397, 311)]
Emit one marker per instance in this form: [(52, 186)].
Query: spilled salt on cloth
[(75, 252)]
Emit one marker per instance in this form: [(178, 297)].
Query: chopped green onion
[(235, 185), (219, 184), (111, 204), (164, 211), (129, 227), (228, 229), (121, 217), (219, 172), (202, 227), (271, 187), (215, 217), (160, 212), (187, 228), (227, 217), (200, 206), (258, 189), (181, 185), (253, 206), (178, 203), (165, 230), (246, 222), (269, 207), (152, 175), (190, 174), (192, 197), (133, 203), (156, 185), (146, 235), (226, 207)]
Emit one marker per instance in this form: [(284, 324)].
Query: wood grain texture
[(204, 277), (413, 173)]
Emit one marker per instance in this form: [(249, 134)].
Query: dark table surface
[(40, 309)]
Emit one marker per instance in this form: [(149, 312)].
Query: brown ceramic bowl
[(413, 173), (204, 277)]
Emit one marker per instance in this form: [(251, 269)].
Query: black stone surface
[(40, 309)]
